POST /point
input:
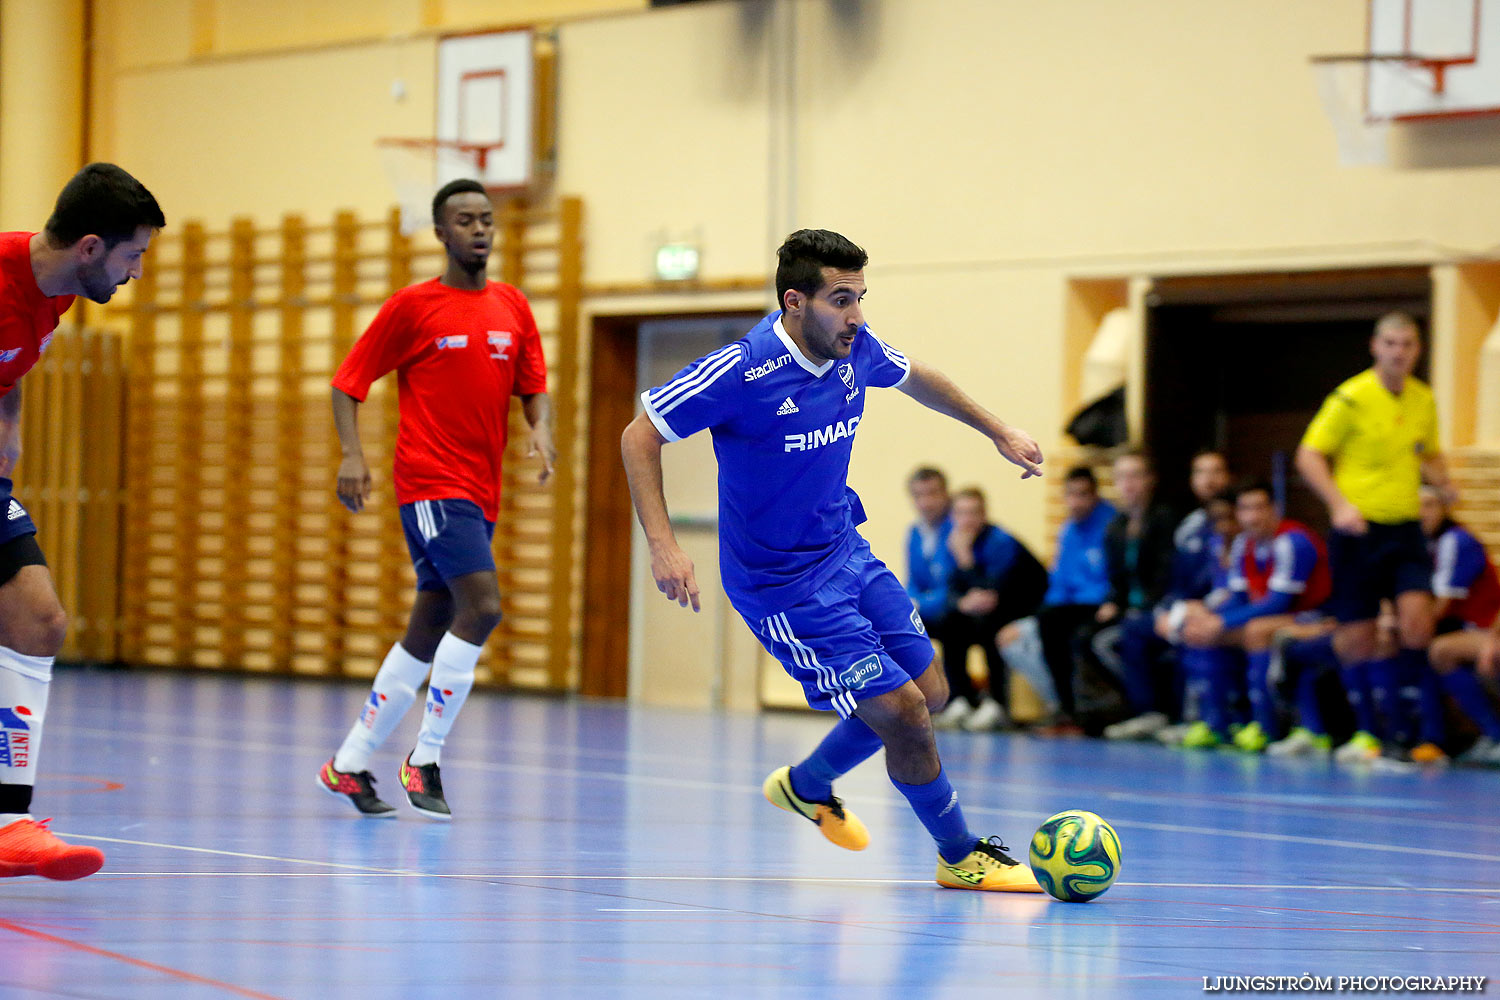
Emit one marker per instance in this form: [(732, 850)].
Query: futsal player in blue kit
[(783, 404)]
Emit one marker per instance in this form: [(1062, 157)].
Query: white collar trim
[(797, 355)]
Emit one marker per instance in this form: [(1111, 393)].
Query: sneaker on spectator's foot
[(1362, 747), (358, 787), (1141, 727), (989, 715), (1484, 753), (1428, 753), (1301, 741), (29, 848), (1251, 739), (424, 789), (953, 714), (987, 866), (835, 822), (1200, 736), (1171, 736)]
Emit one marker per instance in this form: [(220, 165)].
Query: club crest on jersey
[(6, 357), (856, 676), (836, 431), (452, 342), (846, 372), (766, 367), (15, 737), (500, 342)]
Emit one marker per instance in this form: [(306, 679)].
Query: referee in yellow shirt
[(1366, 454)]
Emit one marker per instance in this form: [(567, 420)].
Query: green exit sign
[(676, 262)]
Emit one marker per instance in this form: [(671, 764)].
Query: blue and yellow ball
[(1075, 855)]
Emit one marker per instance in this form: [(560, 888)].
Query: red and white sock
[(452, 677), (24, 683), (394, 690)]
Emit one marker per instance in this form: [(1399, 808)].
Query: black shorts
[(1388, 560), (18, 545)]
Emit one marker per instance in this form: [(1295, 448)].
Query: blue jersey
[(783, 430), (1269, 577)]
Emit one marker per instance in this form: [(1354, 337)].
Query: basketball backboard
[(485, 106), (1454, 67)]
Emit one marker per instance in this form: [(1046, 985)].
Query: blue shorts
[(855, 637), (14, 521), (447, 539), (1388, 560)]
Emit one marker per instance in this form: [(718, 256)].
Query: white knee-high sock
[(24, 683), (452, 677), (394, 690)]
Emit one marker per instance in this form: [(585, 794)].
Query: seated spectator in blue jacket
[(1138, 547), (928, 562), (1194, 560), (995, 581), (1079, 584), (1278, 579)]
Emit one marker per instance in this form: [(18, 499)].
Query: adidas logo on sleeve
[(786, 407)]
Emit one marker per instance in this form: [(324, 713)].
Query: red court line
[(100, 784), (138, 963)]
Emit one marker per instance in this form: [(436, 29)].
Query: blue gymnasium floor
[(602, 851)]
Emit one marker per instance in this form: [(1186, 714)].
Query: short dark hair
[(102, 200), (1256, 484), (803, 255), (1084, 473), (463, 185), (926, 472), (971, 493), (1138, 453)]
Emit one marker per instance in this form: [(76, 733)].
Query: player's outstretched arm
[(640, 448), (538, 409), (354, 485), (937, 391), (10, 431)]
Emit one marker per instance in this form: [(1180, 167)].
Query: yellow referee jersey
[(1376, 443)]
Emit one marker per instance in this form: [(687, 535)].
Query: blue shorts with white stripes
[(855, 637), (447, 539)]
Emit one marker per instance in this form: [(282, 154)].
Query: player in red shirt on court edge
[(92, 244), (461, 346)]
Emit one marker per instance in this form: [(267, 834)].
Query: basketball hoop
[(416, 166), (1348, 86)]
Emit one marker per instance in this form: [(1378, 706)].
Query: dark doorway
[(614, 374), (1242, 362)]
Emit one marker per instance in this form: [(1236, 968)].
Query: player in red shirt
[(461, 346), (92, 244)]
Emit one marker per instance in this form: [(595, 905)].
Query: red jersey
[(458, 356), (27, 317)]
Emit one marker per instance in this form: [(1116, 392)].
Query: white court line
[(794, 879), (1217, 833), (357, 869), (1234, 802)]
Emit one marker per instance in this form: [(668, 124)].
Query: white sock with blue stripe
[(394, 690), (24, 684), (452, 678)]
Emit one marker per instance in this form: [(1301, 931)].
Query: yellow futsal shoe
[(835, 822), (987, 867)]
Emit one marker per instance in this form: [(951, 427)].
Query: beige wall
[(984, 151)]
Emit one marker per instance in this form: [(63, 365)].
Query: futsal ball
[(1075, 855)]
